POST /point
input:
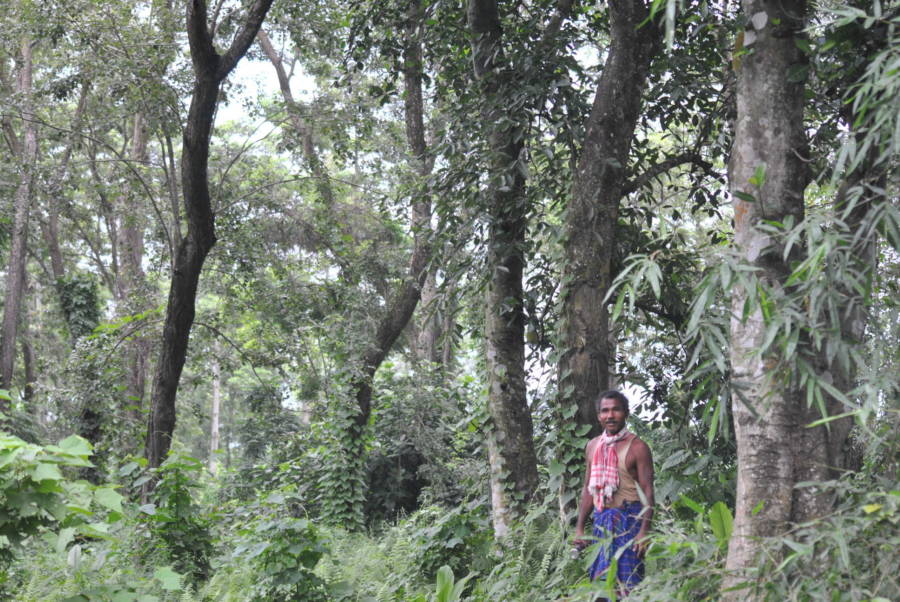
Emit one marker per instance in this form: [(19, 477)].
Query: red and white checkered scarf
[(604, 478)]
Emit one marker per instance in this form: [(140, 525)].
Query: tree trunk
[(591, 216), (404, 300), (131, 285), (210, 69), (15, 283), (301, 127), (769, 414), (513, 463), (428, 337), (214, 414)]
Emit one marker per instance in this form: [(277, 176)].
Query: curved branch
[(662, 167)]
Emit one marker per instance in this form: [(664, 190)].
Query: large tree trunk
[(513, 463), (210, 69), (430, 331), (769, 415), (15, 279), (591, 216)]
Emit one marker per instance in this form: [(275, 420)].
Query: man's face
[(612, 415)]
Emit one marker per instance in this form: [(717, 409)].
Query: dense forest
[(313, 300)]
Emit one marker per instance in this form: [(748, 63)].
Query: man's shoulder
[(639, 445)]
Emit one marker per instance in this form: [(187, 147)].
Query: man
[(618, 485)]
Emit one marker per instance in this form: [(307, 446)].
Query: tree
[(511, 453), (210, 70), (768, 174), (26, 150), (592, 215)]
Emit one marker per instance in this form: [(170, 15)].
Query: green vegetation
[(338, 336)]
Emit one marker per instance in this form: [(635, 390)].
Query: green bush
[(272, 554), (180, 529)]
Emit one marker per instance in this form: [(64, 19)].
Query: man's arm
[(586, 503), (644, 461)]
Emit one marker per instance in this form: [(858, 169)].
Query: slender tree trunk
[(404, 300), (29, 360), (15, 284), (214, 414), (300, 124), (513, 463), (210, 69), (591, 216), (131, 285), (768, 412), (428, 336), (50, 229)]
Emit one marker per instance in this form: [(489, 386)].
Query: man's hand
[(580, 542), (641, 543)]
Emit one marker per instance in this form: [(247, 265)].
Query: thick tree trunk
[(15, 280), (513, 463), (591, 216), (210, 69), (768, 163), (430, 331)]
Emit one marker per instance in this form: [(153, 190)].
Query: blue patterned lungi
[(622, 525)]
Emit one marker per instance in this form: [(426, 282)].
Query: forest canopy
[(314, 300)]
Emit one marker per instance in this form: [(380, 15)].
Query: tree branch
[(244, 38), (202, 51), (658, 169)]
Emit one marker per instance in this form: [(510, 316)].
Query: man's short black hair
[(612, 394)]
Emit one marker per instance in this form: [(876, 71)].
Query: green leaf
[(691, 504), (64, 538), (46, 472), (444, 585), (556, 468), (756, 509), (722, 522), (108, 497), (76, 446), (170, 580), (759, 176)]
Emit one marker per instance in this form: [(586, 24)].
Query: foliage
[(273, 555), (180, 530), (35, 495), (79, 298)]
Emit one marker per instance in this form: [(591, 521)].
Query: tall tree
[(26, 152), (210, 70), (768, 175), (592, 214), (513, 463)]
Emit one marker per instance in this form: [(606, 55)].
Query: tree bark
[(513, 463), (590, 221), (15, 284), (210, 69), (769, 414)]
